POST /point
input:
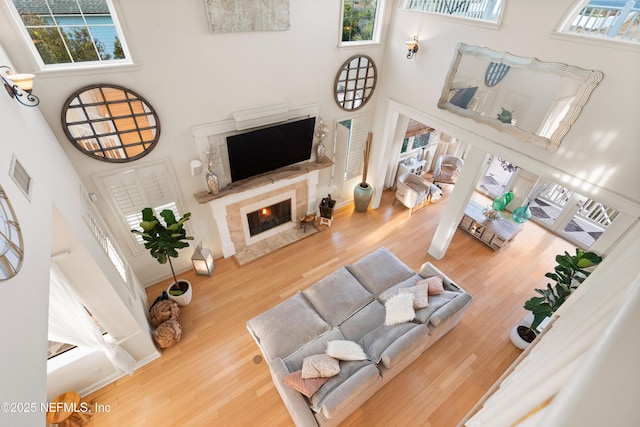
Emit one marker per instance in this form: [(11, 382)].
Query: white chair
[(412, 190), (447, 169)]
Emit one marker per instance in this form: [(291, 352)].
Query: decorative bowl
[(491, 214)]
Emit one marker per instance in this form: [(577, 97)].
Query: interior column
[(475, 166)]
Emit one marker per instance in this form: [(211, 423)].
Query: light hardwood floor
[(210, 378)]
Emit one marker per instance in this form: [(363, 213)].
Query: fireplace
[(269, 217)]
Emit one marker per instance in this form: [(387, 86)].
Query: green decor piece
[(568, 274), (501, 202), (505, 116), (522, 214)]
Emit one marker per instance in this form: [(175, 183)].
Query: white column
[(475, 166), (220, 215)]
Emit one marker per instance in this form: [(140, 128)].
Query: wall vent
[(21, 177)]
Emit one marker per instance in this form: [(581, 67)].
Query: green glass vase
[(501, 202), (522, 214)]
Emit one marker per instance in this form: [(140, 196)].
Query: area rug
[(270, 244)]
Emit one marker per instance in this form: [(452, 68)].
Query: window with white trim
[(135, 189), (617, 20), (361, 21), (71, 31), (482, 10)]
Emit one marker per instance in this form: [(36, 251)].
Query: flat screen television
[(267, 149)]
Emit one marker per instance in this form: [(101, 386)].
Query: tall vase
[(501, 202), (362, 195), (320, 152), (213, 182), (522, 214)]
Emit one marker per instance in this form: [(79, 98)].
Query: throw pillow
[(435, 284), (346, 350), (399, 309), (305, 386), (420, 294), (320, 366)]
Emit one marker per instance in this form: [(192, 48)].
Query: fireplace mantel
[(287, 172)]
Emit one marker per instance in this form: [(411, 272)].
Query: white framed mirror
[(533, 100)]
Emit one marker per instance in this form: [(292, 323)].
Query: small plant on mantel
[(163, 240), (568, 274)]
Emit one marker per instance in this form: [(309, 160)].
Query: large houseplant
[(568, 274), (163, 240)]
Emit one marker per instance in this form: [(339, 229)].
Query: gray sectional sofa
[(348, 304)]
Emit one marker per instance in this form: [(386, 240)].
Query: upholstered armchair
[(447, 169), (412, 190)]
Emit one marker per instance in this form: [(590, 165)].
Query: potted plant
[(363, 192), (163, 240), (568, 274)]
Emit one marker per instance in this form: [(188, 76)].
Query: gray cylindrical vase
[(362, 195), (320, 152), (213, 182)]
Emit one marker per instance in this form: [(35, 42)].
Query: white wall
[(56, 195)]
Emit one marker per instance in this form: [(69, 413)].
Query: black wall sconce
[(412, 45), (19, 86)]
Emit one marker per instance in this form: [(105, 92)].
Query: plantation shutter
[(340, 155), (133, 190), (359, 130)]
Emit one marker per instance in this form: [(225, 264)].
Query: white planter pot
[(185, 298), (515, 337)]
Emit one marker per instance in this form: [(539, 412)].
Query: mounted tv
[(264, 150)]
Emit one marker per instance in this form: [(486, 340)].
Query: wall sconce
[(412, 45), (202, 261), (19, 86)]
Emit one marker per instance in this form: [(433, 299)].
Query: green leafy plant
[(568, 274), (164, 239)]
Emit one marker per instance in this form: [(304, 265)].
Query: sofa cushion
[(306, 386), (278, 336), (380, 270), (384, 296), (294, 361), (435, 302), (338, 296), (378, 340), (354, 379), (364, 321), (320, 366)]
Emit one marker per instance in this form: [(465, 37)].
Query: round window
[(11, 249), (110, 123), (355, 82)]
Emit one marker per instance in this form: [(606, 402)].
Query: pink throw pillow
[(305, 386), (435, 284)]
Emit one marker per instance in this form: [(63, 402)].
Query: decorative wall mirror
[(533, 100), (11, 245), (355, 82), (110, 123)]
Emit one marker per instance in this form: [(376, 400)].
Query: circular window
[(11, 249), (110, 123), (355, 82)]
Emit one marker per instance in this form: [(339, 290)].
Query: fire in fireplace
[(269, 217)]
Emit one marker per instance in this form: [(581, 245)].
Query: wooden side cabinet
[(496, 234)]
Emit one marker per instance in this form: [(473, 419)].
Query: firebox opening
[(269, 217)]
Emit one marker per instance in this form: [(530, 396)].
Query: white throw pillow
[(346, 350), (399, 309), (420, 294), (320, 366)]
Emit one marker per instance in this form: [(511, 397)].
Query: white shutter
[(340, 153), (359, 130)]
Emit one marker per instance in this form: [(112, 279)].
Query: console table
[(496, 234)]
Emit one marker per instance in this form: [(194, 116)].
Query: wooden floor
[(211, 378)]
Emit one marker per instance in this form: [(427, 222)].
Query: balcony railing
[(618, 20), (486, 10)]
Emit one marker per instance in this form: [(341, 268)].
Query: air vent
[(21, 177)]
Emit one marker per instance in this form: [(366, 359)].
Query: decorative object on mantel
[(363, 192), (163, 240), (321, 133), (212, 179), (505, 116)]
